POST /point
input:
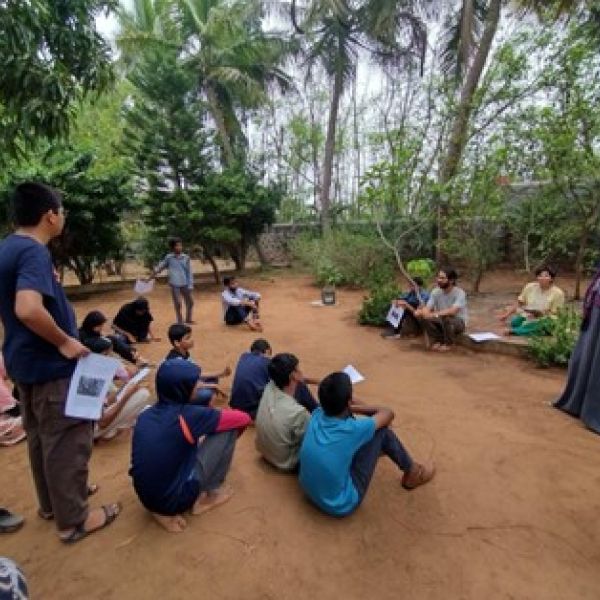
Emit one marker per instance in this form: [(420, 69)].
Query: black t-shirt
[(131, 322), (251, 377)]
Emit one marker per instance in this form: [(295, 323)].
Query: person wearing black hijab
[(91, 330), (580, 397)]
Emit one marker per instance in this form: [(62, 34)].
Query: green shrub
[(421, 267), (345, 258), (556, 349), (377, 304)]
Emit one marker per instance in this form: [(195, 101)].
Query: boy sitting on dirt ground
[(181, 453), (340, 452), (181, 339), (252, 375), (280, 420), (240, 305)]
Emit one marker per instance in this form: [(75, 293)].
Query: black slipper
[(10, 522), (111, 512)]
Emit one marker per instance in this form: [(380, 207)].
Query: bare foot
[(209, 500), (174, 524)]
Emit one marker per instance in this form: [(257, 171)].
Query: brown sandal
[(418, 475)]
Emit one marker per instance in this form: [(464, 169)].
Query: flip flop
[(10, 522), (48, 516), (111, 512)]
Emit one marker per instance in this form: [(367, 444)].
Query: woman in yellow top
[(536, 305)]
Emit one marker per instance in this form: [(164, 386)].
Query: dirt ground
[(512, 513)]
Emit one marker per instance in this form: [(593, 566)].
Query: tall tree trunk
[(219, 119), (213, 263), (460, 126), (324, 200)]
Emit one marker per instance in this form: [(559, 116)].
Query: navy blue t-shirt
[(251, 377), (25, 264), (163, 460)]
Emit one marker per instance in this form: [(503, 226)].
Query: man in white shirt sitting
[(240, 305)]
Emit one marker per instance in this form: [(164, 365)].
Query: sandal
[(418, 475), (10, 522), (111, 512), (48, 516)]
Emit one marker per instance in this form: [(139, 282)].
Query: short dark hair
[(260, 346), (281, 368), (335, 392), (173, 242), (228, 280), (550, 270), (178, 331), (418, 281), (450, 273), (31, 201)]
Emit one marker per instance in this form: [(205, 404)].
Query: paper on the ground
[(89, 386), (484, 336), (394, 316), (143, 287), (141, 374), (355, 376)]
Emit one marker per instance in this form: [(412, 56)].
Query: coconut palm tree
[(335, 33), (222, 41)]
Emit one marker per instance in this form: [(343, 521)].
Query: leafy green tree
[(336, 33), (234, 61), (95, 205), (52, 55)]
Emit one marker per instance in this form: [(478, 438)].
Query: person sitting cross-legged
[(410, 302), (120, 410), (281, 420), (536, 306), (240, 305), (445, 314), (252, 375), (181, 453), (340, 452)]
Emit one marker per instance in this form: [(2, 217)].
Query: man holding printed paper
[(40, 350)]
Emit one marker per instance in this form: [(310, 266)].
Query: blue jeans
[(365, 460)]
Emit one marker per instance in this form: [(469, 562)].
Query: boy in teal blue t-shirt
[(339, 452)]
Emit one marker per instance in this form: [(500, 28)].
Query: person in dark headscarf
[(173, 472), (581, 396), (134, 321), (91, 330)]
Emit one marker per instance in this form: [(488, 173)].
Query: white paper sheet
[(394, 316), (89, 386), (355, 376), (484, 336), (141, 374), (143, 287)]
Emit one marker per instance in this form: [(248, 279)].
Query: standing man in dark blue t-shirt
[(40, 351)]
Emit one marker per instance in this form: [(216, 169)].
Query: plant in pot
[(329, 277)]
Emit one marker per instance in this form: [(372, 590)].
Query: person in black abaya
[(581, 396)]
